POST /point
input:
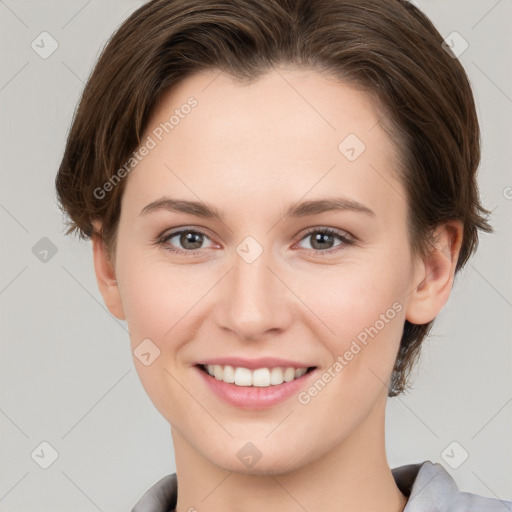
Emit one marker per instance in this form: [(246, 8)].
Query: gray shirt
[(428, 486)]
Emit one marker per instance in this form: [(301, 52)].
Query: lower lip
[(254, 397)]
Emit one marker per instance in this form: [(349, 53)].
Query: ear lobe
[(436, 274), (105, 275)]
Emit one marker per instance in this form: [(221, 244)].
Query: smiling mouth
[(261, 377)]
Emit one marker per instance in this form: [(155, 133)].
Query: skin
[(252, 150)]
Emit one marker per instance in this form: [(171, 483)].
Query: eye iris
[(321, 237), (192, 240), (189, 237)]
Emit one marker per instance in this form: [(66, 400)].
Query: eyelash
[(347, 241)]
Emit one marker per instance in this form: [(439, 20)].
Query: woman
[(217, 148)]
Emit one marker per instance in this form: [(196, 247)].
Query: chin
[(278, 463)]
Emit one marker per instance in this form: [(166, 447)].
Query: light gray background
[(67, 373)]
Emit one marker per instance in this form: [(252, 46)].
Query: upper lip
[(254, 364)]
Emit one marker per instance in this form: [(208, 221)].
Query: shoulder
[(431, 488), (160, 497), (428, 486)]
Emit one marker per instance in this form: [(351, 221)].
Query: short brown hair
[(388, 48)]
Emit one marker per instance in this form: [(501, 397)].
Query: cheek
[(362, 313), (149, 309), (156, 307), (354, 297), (153, 294), (153, 304)]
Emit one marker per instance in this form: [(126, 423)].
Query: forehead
[(290, 131), (311, 106)]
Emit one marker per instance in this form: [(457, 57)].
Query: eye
[(322, 240), (189, 239)]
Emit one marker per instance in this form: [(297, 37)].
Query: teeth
[(262, 377)]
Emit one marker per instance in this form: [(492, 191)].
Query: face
[(309, 286)]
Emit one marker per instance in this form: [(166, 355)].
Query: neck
[(352, 476)]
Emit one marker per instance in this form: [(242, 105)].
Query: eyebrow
[(295, 210)]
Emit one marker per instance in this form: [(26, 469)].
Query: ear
[(435, 274), (105, 274)]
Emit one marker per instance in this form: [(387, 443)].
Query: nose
[(254, 301)]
